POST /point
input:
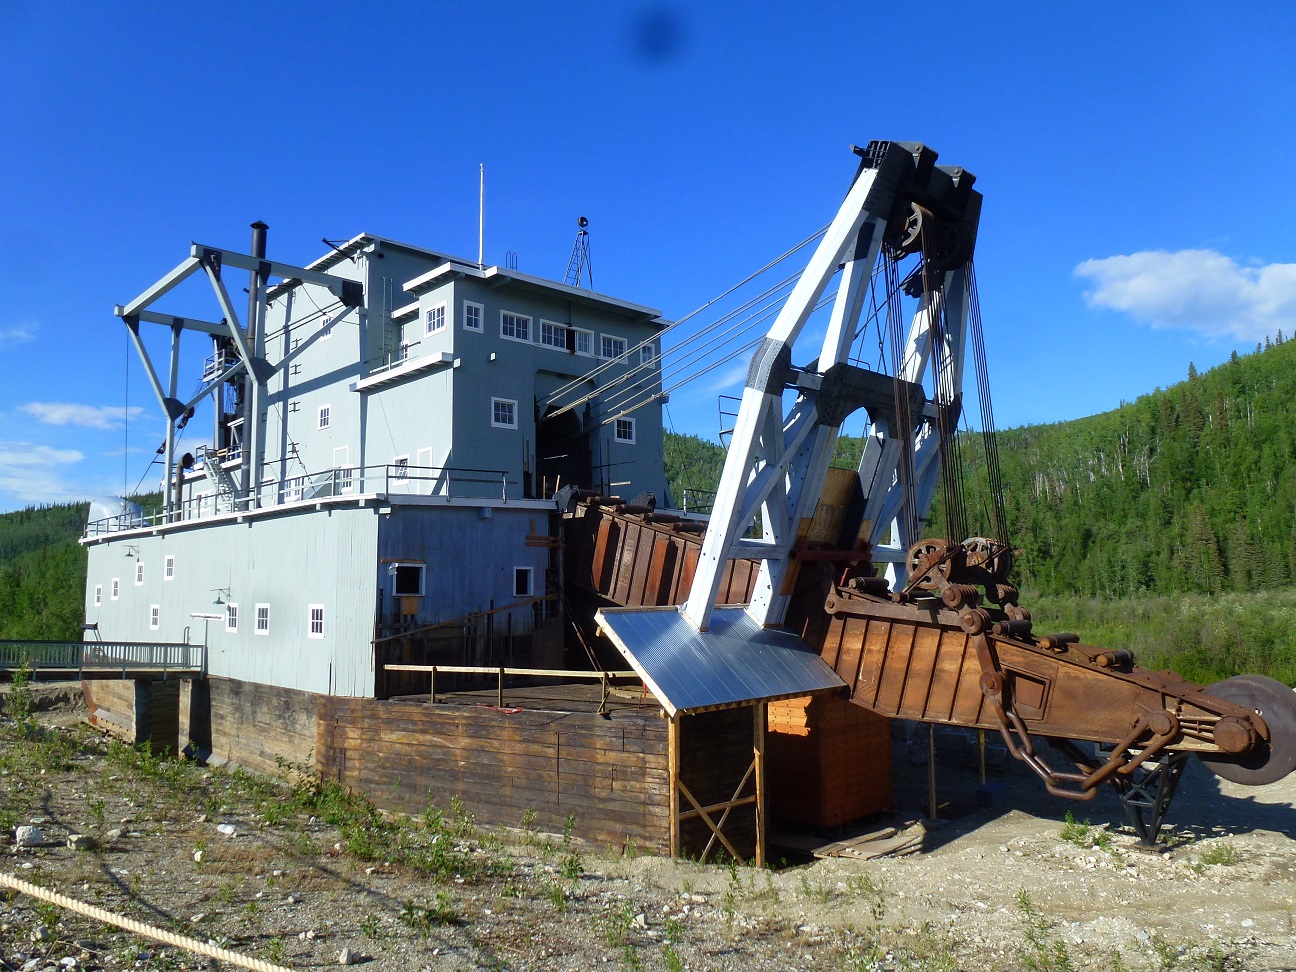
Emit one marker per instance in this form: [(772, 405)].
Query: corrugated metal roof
[(735, 662)]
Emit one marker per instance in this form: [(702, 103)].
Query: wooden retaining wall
[(135, 710), (610, 774)]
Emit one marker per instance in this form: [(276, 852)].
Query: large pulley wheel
[(996, 558), (1275, 703), (920, 559)]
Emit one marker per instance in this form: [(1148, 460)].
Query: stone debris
[(28, 836), (348, 957), (227, 829), (81, 842)]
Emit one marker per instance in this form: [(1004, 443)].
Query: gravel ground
[(251, 865)]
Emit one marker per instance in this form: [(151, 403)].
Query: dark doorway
[(562, 454)]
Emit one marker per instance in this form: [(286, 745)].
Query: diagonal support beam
[(168, 283)]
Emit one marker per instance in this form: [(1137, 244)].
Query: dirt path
[(303, 877)]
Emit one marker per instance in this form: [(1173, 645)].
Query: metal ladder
[(219, 476)]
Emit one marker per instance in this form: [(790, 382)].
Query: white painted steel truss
[(777, 461), (248, 341)]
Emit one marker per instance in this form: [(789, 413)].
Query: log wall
[(135, 710)]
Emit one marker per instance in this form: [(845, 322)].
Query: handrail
[(102, 655), (385, 478), (603, 677)]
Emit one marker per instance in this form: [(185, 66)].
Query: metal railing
[(605, 679), (81, 656), (390, 479)]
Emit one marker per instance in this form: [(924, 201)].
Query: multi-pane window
[(292, 488), (472, 318), (584, 341), (98, 595), (155, 617), (231, 618), (263, 619), (400, 472), (515, 326), (344, 478), (613, 347), (435, 319), (648, 354), (553, 335), (168, 570), (316, 621), (326, 325), (116, 588), (139, 573), (625, 430), (325, 416), (503, 413)]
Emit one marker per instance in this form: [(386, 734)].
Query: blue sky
[(1134, 162)]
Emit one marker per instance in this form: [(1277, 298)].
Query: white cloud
[(33, 473), (106, 417), (17, 334), (1200, 290)]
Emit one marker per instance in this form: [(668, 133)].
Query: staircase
[(227, 493)]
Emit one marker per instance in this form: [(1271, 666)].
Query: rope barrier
[(138, 927)]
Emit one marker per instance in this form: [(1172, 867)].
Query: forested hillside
[(42, 572), (1188, 489)]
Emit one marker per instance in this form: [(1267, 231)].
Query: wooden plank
[(759, 718), (854, 635), (673, 764)]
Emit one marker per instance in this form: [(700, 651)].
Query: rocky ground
[(305, 876)]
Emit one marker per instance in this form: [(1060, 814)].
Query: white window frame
[(503, 425), (431, 313), (604, 338), (343, 471), (616, 430), (292, 488), (400, 469), (518, 317), (648, 354), (422, 576), (326, 325), (324, 418), (98, 595), (480, 315), (589, 335), (560, 331), (155, 617), (310, 621), (530, 581), (168, 568), (116, 588), (256, 620), (139, 573), (231, 614)]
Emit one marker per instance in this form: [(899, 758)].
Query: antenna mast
[(580, 258)]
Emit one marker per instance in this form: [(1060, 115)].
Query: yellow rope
[(139, 928)]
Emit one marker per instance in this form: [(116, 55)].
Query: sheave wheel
[(1276, 704)]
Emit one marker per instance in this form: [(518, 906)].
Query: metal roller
[(1272, 759)]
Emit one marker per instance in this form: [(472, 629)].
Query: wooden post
[(759, 715), (931, 771), (673, 765), (501, 687), (432, 688)]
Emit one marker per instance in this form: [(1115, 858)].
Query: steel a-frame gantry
[(248, 341), (778, 459)]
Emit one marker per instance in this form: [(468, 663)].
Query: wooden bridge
[(103, 659)]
